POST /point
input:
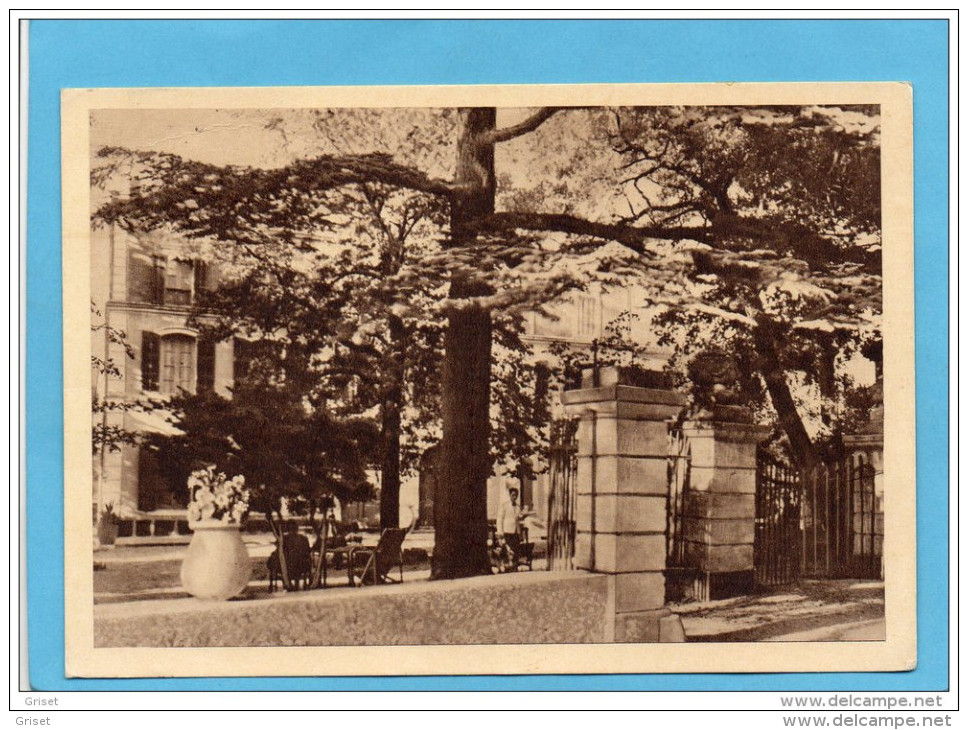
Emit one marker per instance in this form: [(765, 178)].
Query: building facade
[(142, 291)]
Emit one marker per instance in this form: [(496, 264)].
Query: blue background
[(87, 53)]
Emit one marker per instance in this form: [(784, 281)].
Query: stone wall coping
[(611, 492), (623, 533), (723, 467), (623, 455), (172, 606), (623, 393)]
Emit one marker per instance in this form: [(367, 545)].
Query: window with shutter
[(179, 277), (241, 359), (201, 279), (177, 364), (587, 316), (249, 354), (206, 364), (149, 361), (158, 297), (542, 383), (146, 278)]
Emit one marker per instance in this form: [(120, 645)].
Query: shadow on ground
[(822, 610)]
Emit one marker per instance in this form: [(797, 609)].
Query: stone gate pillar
[(720, 504), (621, 499)]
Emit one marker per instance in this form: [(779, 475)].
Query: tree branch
[(207, 200), (528, 125), (330, 172), (634, 237), (791, 238), (727, 233), (724, 314)]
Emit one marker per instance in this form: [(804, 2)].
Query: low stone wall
[(529, 608)]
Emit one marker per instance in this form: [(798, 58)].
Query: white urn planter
[(217, 565)]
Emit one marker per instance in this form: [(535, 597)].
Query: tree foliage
[(295, 459), (789, 278), (760, 225)]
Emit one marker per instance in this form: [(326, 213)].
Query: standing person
[(508, 526)]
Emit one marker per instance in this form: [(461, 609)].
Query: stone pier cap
[(625, 401)]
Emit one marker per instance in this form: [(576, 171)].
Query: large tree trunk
[(460, 518), (390, 426), (803, 450), (460, 508)]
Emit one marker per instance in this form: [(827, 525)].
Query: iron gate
[(823, 522), (678, 467), (842, 522), (562, 496), (777, 539)]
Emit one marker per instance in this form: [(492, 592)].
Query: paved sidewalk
[(815, 610)]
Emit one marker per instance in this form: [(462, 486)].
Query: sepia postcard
[(489, 380)]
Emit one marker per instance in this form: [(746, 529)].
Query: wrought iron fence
[(823, 522), (678, 468), (563, 494), (842, 524), (777, 537)]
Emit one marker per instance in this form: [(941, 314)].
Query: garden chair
[(335, 542), (373, 564), (299, 562)]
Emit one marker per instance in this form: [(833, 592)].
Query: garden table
[(347, 554)]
